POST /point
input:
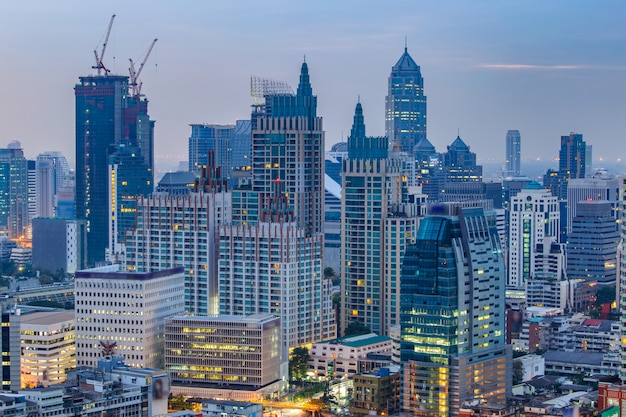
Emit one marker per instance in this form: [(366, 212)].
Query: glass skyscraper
[(453, 314), (513, 154), (405, 104), (106, 116)]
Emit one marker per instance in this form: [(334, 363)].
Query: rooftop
[(358, 341)]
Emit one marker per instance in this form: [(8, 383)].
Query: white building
[(174, 231), (534, 217), (226, 408), (276, 268), (48, 346), (234, 357), (340, 357), (125, 312)]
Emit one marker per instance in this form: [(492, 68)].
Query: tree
[(178, 402), (605, 295), (356, 328), (329, 272), (518, 372), (298, 361)]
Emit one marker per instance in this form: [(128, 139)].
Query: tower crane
[(135, 84), (99, 65)]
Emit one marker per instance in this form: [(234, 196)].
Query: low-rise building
[(48, 347), (377, 392), (230, 357), (340, 357), (227, 408)]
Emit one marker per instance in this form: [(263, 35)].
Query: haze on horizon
[(544, 68)]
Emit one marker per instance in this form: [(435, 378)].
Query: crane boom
[(135, 84), (99, 64)]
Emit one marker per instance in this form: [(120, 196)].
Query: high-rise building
[(14, 217), (592, 243), (59, 244), (461, 177), (107, 116), (288, 145), (210, 137), (453, 314), (175, 230), (124, 312), (533, 220), (598, 187), (572, 164), (405, 104), (512, 164), (377, 222), (129, 178)]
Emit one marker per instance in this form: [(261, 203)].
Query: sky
[(545, 68)]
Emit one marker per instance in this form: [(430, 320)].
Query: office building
[(124, 313), (107, 116), (239, 357), (600, 186), (592, 243), (52, 174), (129, 178), (512, 163), (462, 177), (572, 164), (59, 244), (181, 231), (11, 349), (405, 104), (533, 219), (241, 153), (453, 314), (47, 340), (177, 183), (14, 209), (210, 137), (377, 222)]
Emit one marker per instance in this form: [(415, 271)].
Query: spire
[(358, 126), (304, 88)]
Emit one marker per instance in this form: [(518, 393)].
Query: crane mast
[(135, 84), (99, 65)]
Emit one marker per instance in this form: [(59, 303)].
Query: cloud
[(546, 67)]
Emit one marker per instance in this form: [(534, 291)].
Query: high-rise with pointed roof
[(405, 104), (377, 223)]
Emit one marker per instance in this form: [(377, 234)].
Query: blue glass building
[(405, 104), (453, 314)]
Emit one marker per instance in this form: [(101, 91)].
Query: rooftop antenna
[(405, 43)]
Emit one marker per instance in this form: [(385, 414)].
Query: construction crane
[(99, 65), (135, 84)]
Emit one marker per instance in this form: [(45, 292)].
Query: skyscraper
[(572, 164), (405, 104), (513, 154), (288, 144), (210, 137), (13, 190), (461, 177), (533, 220), (452, 314), (106, 116), (592, 243), (377, 222)]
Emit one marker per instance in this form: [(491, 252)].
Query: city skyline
[(541, 76)]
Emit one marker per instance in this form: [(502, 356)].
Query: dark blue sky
[(543, 67)]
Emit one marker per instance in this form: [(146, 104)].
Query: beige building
[(230, 357), (48, 347)]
